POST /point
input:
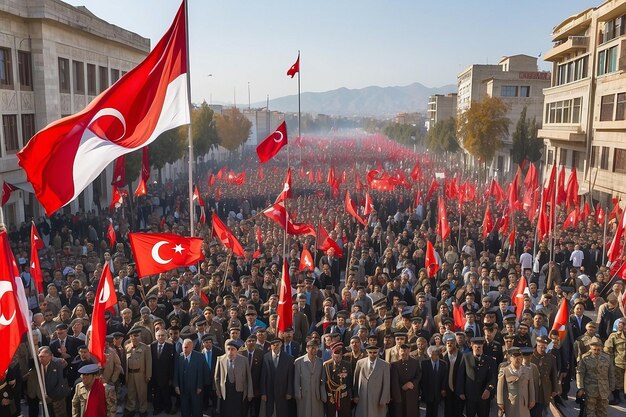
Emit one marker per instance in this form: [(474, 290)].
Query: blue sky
[(344, 43)]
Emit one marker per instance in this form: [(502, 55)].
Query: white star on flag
[(178, 249)]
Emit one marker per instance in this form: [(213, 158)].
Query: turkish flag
[(561, 319), (431, 190), (270, 146), (571, 220), (495, 191), (284, 309), (513, 192), (517, 297), (561, 195), (105, 300), (572, 198), (145, 164), (616, 211), (14, 313), (111, 234), (616, 249), (600, 214), (117, 199), (161, 252), (530, 181), (512, 240), (278, 214), (324, 242), (369, 205), (66, 156), (223, 233), (286, 192), (306, 260), (416, 172), (7, 189), (585, 212), (444, 227), (35, 269), (459, 316), (295, 68), (432, 266), (351, 209), (211, 180), (141, 189), (487, 222), (197, 197), (119, 172)]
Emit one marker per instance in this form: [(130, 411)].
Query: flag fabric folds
[(7, 189), (278, 214), (561, 319), (325, 242), (111, 234), (284, 309), (270, 146), (161, 252), (432, 266), (36, 244), (286, 191), (351, 209), (61, 160), (105, 300), (444, 227), (223, 233), (306, 260), (295, 68)]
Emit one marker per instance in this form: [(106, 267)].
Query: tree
[(233, 129), (168, 148), (406, 134), (203, 130), (483, 127), (442, 137), (526, 145)]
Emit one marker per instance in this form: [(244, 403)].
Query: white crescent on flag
[(5, 287), (155, 253)]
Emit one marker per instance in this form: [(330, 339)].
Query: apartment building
[(440, 107), (54, 59)]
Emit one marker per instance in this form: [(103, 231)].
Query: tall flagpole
[(299, 132), (189, 133)]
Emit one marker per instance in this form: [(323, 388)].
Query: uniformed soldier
[(477, 379), (595, 378), (113, 366), (7, 395), (548, 376), (492, 347), (615, 347), (406, 374), (337, 380), (90, 387), (138, 374), (581, 345), (522, 337)]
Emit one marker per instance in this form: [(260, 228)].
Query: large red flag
[(117, 198), (444, 227), (351, 209), (306, 260), (561, 195), (487, 222), (369, 205), (431, 190), (324, 242), (585, 212), (145, 173), (295, 68), (459, 316), (141, 189), (513, 192), (561, 319), (572, 198), (495, 191), (223, 233), (600, 214), (278, 213), (615, 250), (119, 172), (517, 297), (531, 180), (66, 156), (197, 197), (270, 146), (7, 189), (111, 235), (432, 266), (35, 269), (548, 196), (286, 192), (616, 211), (572, 219), (284, 309), (161, 252), (105, 300), (14, 313)]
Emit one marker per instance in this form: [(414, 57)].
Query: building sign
[(543, 75)]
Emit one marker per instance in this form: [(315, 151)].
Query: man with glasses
[(138, 374), (372, 383)]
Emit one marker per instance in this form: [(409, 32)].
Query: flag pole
[(299, 132), (189, 133), (604, 240)]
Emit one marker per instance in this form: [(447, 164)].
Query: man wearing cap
[(371, 385), (492, 347), (433, 381), (253, 352), (138, 374), (615, 347), (162, 372), (178, 312), (406, 374), (477, 379), (595, 378), (393, 354), (308, 387), (90, 388), (581, 345), (233, 382), (277, 380), (337, 382), (548, 375), (190, 372), (607, 314), (516, 391), (522, 337)]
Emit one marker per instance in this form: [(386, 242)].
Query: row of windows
[(612, 29), (24, 69), (600, 158), (572, 71), (564, 111), (515, 91), (578, 158), (10, 131), (607, 61), (613, 107), (78, 81)]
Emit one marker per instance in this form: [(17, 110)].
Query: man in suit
[(300, 324), (254, 356), (289, 345), (371, 385), (189, 379), (56, 387), (477, 379), (277, 380), (453, 403), (64, 346), (233, 382), (578, 320), (210, 352), (406, 374), (163, 354), (179, 313), (308, 388), (333, 264), (434, 381)]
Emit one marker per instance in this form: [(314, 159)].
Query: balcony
[(562, 135), (571, 45)]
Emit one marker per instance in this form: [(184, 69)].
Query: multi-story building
[(585, 108), (54, 59), (517, 81), (440, 107)]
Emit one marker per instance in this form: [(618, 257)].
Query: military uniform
[(581, 347), (337, 379), (95, 391), (494, 349), (7, 395), (596, 375), (138, 374), (548, 380), (110, 393), (615, 347)]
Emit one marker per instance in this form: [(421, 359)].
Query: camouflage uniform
[(615, 347), (596, 375), (580, 346), (111, 397)]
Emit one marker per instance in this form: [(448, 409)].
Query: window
[(562, 156), (115, 75), (612, 29), (25, 70), (620, 107), (91, 79), (6, 69), (9, 127), (594, 156), (572, 71), (577, 160), (124, 73), (524, 91), (607, 61), (79, 77), (619, 161), (550, 159), (576, 110), (565, 111), (604, 158), (104, 79), (64, 75), (508, 91), (606, 108), (28, 128)]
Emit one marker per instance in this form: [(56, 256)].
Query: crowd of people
[(374, 333)]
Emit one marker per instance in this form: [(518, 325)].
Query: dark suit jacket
[(485, 374), (455, 370), (295, 349), (162, 367), (432, 384), (189, 378), (578, 330), (215, 352), (255, 367), (277, 383), (56, 385), (71, 344)]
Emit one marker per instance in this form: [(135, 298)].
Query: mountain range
[(367, 101)]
